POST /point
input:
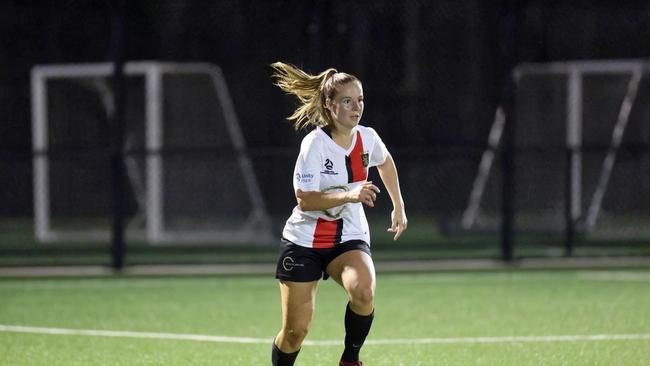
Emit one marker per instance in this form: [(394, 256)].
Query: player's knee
[(362, 295), (295, 335)]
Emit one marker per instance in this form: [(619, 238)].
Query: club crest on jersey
[(365, 159)]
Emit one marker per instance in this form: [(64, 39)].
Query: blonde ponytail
[(311, 90)]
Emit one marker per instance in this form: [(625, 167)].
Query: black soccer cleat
[(350, 363)]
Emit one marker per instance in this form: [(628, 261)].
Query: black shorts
[(300, 264)]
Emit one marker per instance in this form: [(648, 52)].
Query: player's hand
[(398, 223), (365, 193)]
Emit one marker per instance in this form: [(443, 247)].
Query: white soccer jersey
[(324, 166)]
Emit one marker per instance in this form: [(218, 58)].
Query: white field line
[(128, 334), (225, 339)]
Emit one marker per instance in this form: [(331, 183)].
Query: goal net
[(581, 142), (190, 179)]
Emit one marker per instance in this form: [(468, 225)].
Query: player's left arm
[(388, 174)]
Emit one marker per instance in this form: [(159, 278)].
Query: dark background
[(433, 71)]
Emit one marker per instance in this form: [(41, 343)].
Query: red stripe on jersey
[(359, 171), (327, 233)]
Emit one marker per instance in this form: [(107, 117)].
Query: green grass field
[(447, 318)]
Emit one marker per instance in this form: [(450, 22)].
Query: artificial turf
[(443, 318)]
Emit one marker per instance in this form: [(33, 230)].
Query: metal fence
[(434, 75)]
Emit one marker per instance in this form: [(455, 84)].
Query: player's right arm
[(365, 193)]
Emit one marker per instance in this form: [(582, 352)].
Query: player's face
[(347, 105)]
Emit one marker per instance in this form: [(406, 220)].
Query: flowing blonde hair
[(311, 90)]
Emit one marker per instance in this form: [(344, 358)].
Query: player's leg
[(355, 272), (297, 311)]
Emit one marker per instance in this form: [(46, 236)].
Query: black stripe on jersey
[(348, 167), (339, 231)]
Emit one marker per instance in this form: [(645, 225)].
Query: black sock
[(357, 328), (279, 358)]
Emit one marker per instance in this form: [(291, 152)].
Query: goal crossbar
[(574, 70), (257, 226)]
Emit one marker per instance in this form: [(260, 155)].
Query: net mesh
[(542, 164), (203, 185), (79, 148)]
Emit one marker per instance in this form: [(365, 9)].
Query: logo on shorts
[(288, 264)]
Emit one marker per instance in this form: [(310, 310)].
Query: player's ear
[(328, 103)]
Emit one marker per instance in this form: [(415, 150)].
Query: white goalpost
[(196, 98), (562, 86)]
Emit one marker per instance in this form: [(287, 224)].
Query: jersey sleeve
[(306, 175), (379, 152)]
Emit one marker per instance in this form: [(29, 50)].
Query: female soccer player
[(327, 234)]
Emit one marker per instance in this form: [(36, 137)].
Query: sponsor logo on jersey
[(335, 212), (305, 177), (329, 166)]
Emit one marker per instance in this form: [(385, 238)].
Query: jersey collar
[(327, 132)]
